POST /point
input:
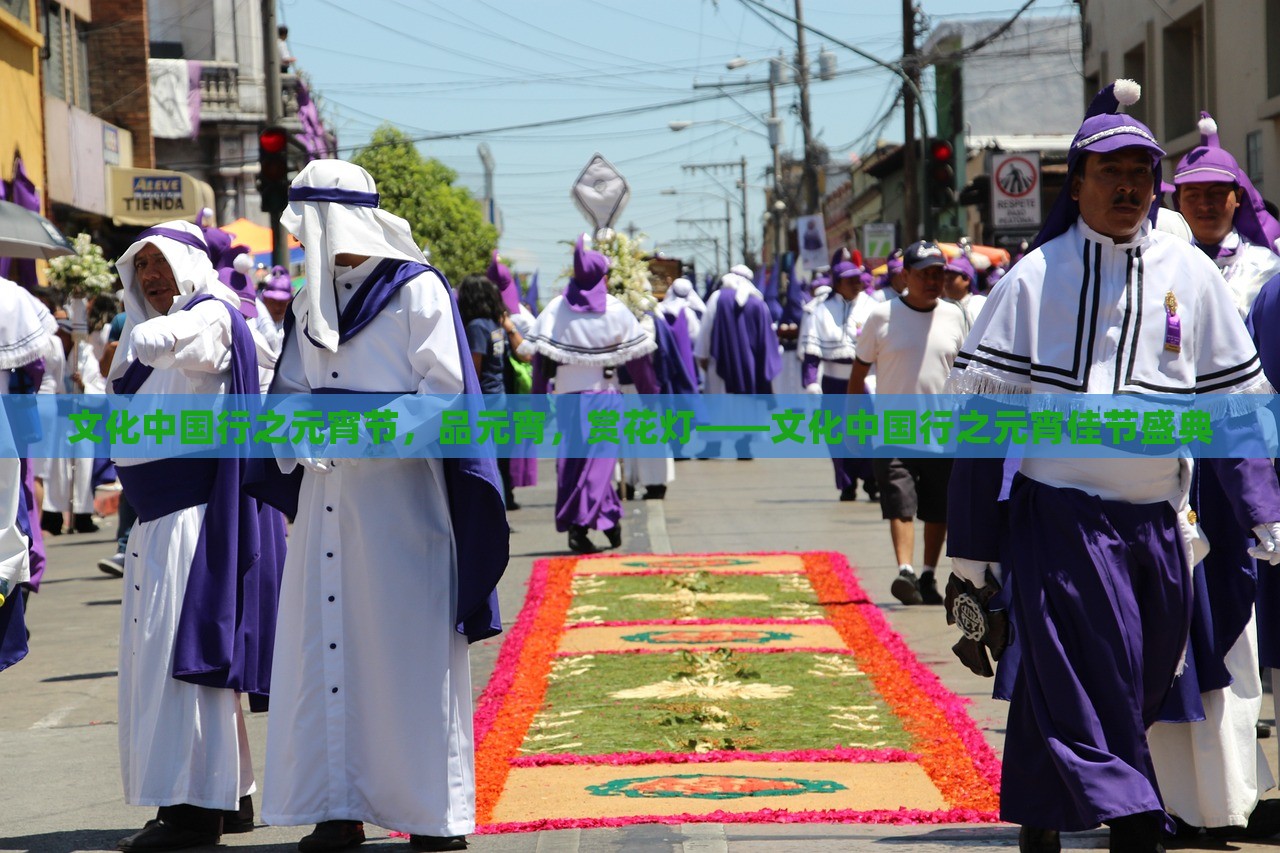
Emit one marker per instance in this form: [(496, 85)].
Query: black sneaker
[(849, 493), (578, 541), (906, 588), (929, 589)]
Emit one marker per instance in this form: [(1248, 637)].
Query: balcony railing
[(220, 93)]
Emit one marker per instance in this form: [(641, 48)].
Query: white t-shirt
[(912, 350)]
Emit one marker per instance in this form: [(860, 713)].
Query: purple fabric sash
[(744, 345), (673, 363), (372, 296), (351, 198), (587, 299), (178, 237), (477, 509), (226, 630)]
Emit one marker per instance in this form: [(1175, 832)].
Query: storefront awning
[(151, 196)]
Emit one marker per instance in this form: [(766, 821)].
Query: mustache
[(1129, 198)]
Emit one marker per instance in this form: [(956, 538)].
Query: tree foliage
[(444, 217)]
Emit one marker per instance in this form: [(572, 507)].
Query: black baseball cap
[(923, 253)]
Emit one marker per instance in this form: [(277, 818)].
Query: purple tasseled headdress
[(1104, 129), (843, 264), (1208, 163), (500, 274), (587, 290), (964, 266)]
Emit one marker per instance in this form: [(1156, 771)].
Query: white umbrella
[(25, 234)]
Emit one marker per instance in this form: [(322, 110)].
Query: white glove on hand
[(975, 571), (1268, 547), (150, 342), (813, 388), (315, 466)]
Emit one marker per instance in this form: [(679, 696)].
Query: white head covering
[(740, 286), (680, 294), (192, 270), (744, 271), (25, 326), (333, 209)]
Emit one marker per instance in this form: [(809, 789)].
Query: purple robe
[(680, 373), (22, 192), (1264, 327), (26, 380), (585, 494), (744, 345), (849, 470), (473, 486), (226, 629)]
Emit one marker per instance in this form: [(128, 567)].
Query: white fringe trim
[(612, 358)]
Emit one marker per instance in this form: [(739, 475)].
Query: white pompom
[(205, 219), (243, 264), (1127, 92), (1208, 127)]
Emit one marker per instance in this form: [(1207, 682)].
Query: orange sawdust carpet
[(723, 688)]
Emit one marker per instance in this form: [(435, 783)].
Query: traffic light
[(273, 169), (940, 173)]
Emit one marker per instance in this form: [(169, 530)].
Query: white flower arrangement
[(628, 270), (87, 273)]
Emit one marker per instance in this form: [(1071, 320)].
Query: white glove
[(315, 466), (813, 388), (975, 571), (151, 341), (1268, 547)]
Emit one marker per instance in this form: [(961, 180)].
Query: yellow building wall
[(21, 101)]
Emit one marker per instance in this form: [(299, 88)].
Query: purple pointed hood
[(1104, 129), (964, 266), (500, 274), (235, 276), (1209, 162), (587, 289)]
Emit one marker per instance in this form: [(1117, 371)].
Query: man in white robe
[(371, 696), (183, 745)]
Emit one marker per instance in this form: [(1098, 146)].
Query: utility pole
[(910, 187), (742, 167), (802, 79), (775, 141), (274, 102)]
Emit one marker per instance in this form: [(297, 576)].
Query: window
[(66, 60), (1135, 68), (1092, 83), (1184, 75), (1273, 47), (20, 9), (1253, 157)]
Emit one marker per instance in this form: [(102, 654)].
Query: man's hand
[(813, 388), (975, 571), (1268, 547), (150, 342), (315, 466)]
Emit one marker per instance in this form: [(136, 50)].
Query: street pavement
[(59, 771)]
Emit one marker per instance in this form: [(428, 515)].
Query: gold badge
[(1191, 516), (1171, 303)]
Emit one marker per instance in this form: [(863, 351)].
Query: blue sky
[(448, 66)]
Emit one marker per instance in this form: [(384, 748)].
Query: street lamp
[(678, 126)]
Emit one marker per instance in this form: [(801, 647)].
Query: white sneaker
[(113, 565)]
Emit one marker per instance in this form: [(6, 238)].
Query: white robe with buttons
[(371, 692), (179, 742)]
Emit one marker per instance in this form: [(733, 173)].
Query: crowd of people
[(1129, 651)]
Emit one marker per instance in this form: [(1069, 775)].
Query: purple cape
[(476, 507), (226, 630), (744, 345)]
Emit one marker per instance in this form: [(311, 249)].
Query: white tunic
[(1246, 268), (371, 692), (179, 742)]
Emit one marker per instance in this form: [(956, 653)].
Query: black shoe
[(511, 502), (175, 828), (906, 588), (1264, 822), (1033, 840), (629, 491), (51, 523), (928, 587), (239, 820), (578, 541), (1136, 833), (614, 535), (1264, 730), (435, 842), (331, 835), (655, 493), (849, 493), (82, 522), (873, 493)]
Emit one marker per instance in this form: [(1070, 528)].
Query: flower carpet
[(720, 688)]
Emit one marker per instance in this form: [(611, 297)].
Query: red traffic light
[(941, 151), (272, 140)]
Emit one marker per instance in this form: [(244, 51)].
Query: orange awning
[(256, 237)]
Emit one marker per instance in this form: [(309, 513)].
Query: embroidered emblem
[(1172, 324)]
